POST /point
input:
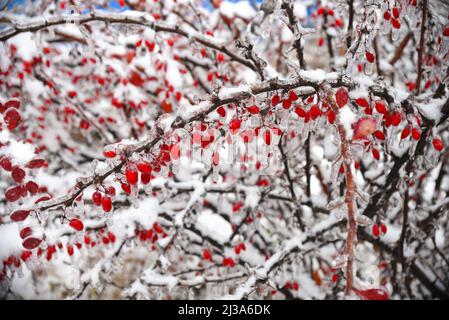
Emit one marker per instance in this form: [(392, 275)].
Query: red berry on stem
[(300, 112), (293, 96), (437, 144), (207, 255), (221, 112), (362, 102), (379, 135), (376, 230), (17, 174), (405, 133), (76, 224), (396, 12), (396, 119), (286, 104), (369, 57), (315, 112), (106, 204), (416, 134), (253, 109), (376, 154), (341, 97), (380, 107), (383, 228), (132, 177), (396, 23), (275, 100), (31, 243), (96, 198), (19, 215)]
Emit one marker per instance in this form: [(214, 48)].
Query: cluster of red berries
[(11, 114), (393, 17), (377, 229), (291, 285), (152, 235)]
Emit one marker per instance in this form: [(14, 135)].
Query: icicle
[(363, 220), (340, 261), (369, 68), (395, 33)]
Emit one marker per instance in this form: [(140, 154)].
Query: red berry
[(19, 215), (379, 135), (286, 104), (339, 22), (405, 133), (14, 103), (13, 194), (383, 228), (446, 32), (341, 97), (70, 250), (220, 57), (293, 96), (132, 177), (96, 198), (396, 23), (12, 118), (315, 112), (222, 112), (106, 204), (331, 117), (396, 12), (376, 230), (144, 167), (320, 42), (267, 137), (25, 232), (6, 164), (76, 224), (207, 255), (253, 109), (31, 243), (376, 154), (126, 188), (234, 125), (369, 57), (396, 119), (110, 191), (387, 15), (372, 294), (36, 163), (32, 187), (416, 134), (109, 154), (362, 102), (300, 112), (380, 107), (275, 100), (17, 174), (334, 277), (437, 144)]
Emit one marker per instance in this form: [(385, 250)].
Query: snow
[(347, 118), (214, 226), (432, 109), (26, 45), (10, 241), (20, 152)]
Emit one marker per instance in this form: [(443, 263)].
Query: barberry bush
[(286, 149)]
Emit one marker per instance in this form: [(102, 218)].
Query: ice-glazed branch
[(141, 19), (350, 192), (421, 48)]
